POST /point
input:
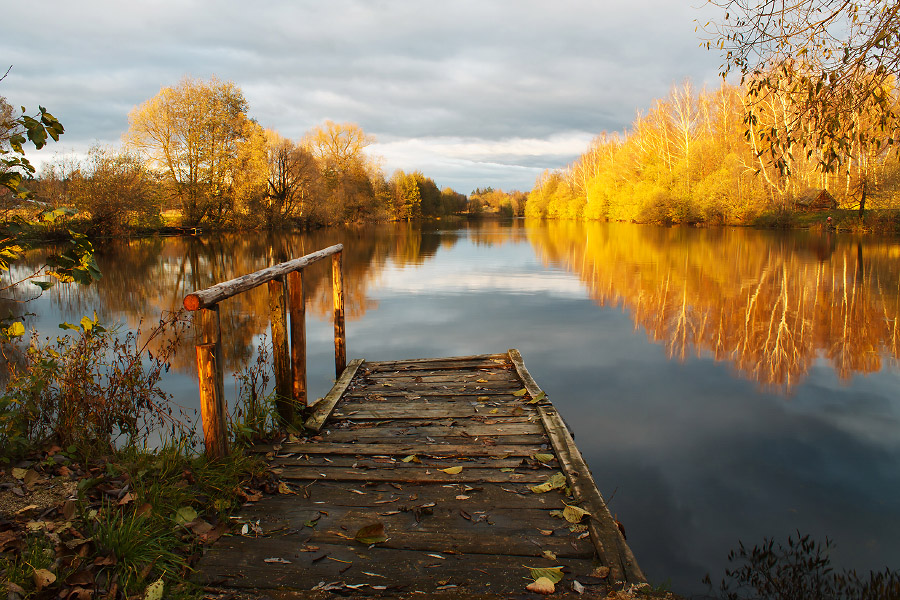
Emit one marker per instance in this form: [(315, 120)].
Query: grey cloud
[(495, 70)]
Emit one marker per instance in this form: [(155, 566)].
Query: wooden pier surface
[(443, 455)]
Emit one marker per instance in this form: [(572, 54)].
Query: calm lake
[(723, 384)]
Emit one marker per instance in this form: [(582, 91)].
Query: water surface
[(722, 384)]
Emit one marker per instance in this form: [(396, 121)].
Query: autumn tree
[(292, 180), (191, 133), (407, 199), (115, 190), (834, 57)]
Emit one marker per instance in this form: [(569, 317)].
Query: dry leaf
[(549, 555), (371, 534), (43, 578), (411, 458), (541, 586), (520, 393), (574, 514), (284, 488), (18, 473), (556, 481), (577, 587), (277, 560), (155, 590), (600, 572), (546, 531), (30, 476), (452, 470), (544, 458), (200, 527)]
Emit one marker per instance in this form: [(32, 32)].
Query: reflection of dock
[(431, 475), (443, 454)]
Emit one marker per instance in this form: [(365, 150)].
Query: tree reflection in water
[(773, 304)]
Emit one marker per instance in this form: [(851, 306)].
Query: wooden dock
[(419, 477)]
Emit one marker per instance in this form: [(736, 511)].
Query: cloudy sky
[(471, 92)]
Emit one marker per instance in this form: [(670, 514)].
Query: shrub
[(90, 389)]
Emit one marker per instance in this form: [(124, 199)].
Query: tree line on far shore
[(193, 152), (696, 157)]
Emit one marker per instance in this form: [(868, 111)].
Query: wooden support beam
[(211, 379), (297, 307), (340, 336), (324, 407), (281, 361)]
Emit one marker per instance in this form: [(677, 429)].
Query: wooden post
[(211, 379), (281, 361), (297, 305), (340, 336)]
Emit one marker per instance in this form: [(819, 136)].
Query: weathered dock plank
[(443, 454)]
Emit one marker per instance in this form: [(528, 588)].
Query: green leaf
[(65, 325), (520, 393), (537, 398), (554, 574), (44, 285), (185, 514), (371, 534), (556, 481)]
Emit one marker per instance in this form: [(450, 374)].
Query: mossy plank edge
[(534, 390), (606, 535), (324, 407), (611, 546)]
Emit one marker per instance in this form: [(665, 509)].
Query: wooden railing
[(285, 282)]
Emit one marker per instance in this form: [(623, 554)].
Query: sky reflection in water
[(722, 385)]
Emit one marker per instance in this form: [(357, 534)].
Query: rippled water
[(723, 384)]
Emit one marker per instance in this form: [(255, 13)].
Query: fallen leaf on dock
[(553, 574), (371, 534), (556, 481), (520, 393), (541, 586), (284, 488), (549, 555), (452, 470), (544, 458), (280, 561), (574, 514), (411, 458), (537, 398), (600, 572)]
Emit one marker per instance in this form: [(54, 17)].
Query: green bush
[(90, 389)]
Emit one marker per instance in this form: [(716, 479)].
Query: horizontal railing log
[(286, 296), (233, 287)]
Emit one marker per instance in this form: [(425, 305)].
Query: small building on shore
[(816, 201)]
